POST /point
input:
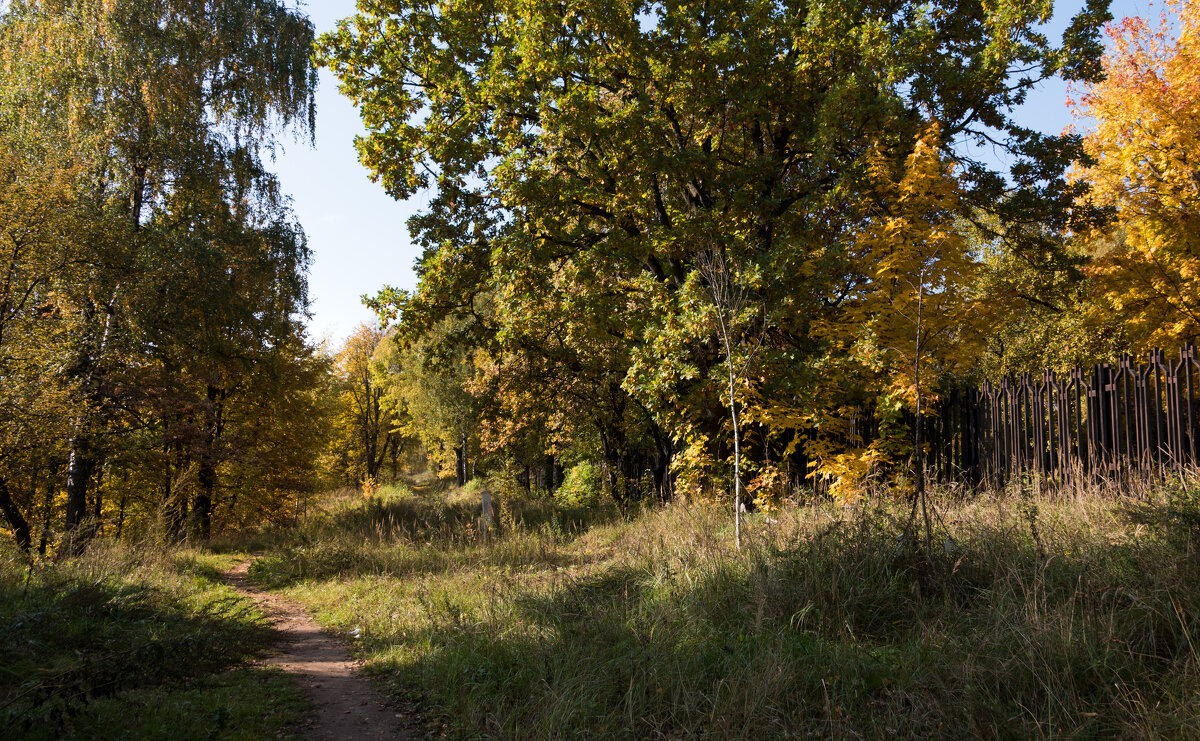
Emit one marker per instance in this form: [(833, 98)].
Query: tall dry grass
[(1036, 615)]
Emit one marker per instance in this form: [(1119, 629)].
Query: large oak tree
[(583, 154)]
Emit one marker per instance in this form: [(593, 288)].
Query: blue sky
[(356, 231), (358, 234)]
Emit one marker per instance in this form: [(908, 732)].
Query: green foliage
[(581, 487), (584, 158), (425, 384), (158, 273), (1042, 315)]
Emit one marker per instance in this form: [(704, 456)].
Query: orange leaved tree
[(1146, 166)]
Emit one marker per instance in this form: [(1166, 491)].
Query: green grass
[(1035, 617), (398, 532), (138, 642)]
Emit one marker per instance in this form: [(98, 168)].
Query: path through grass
[(140, 643), (1075, 617)]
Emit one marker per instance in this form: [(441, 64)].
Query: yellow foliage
[(914, 318), (692, 464), (768, 487), (1146, 151)]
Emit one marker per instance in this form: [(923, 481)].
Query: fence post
[(1188, 360)]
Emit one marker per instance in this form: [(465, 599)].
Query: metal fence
[(1115, 419)]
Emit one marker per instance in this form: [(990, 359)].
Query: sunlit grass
[(1035, 616)]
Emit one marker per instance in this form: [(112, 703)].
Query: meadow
[(1054, 614), (1036, 615)]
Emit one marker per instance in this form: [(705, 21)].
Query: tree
[(372, 425), (1040, 313), (584, 157), (730, 301), (1142, 163), (275, 429), (191, 272), (914, 318), (40, 240), (425, 384)]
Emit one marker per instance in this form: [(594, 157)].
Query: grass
[(400, 533), (1069, 616), (135, 642)]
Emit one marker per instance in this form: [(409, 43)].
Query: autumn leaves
[(584, 160), (1145, 166)]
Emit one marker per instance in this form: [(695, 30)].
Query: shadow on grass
[(836, 635), (78, 648)]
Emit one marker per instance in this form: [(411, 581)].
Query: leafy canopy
[(582, 156), (1145, 155)]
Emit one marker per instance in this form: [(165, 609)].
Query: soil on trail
[(345, 706)]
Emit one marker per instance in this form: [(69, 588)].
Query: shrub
[(581, 487), (474, 487), (393, 492)]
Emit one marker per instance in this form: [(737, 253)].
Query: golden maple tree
[(1145, 154), (912, 320)]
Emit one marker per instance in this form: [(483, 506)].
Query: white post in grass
[(485, 515)]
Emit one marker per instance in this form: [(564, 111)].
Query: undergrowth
[(1072, 616)]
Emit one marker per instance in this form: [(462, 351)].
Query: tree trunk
[(79, 473), (175, 506), (98, 502), (371, 422), (81, 459), (661, 463), (919, 443), (207, 476), (662, 477), (466, 474), (47, 514), (611, 459), (16, 521), (206, 480), (121, 513), (548, 477), (737, 455)]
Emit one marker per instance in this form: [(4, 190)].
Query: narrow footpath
[(345, 706)]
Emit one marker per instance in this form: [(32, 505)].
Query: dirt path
[(345, 706)]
